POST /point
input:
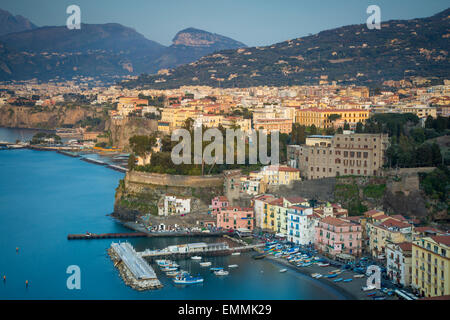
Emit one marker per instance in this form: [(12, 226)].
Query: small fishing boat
[(316, 275), (332, 276), (323, 264), (283, 270), (163, 262), (338, 280), (236, 254), (169, 269), (358, 276), (348, 280), (221, 273), (233, 266), (196, 258), (172, 273), (369, 288), (187, 279), (259, 256), (379, 298), (215, 269), (205, 264), (371, 294)]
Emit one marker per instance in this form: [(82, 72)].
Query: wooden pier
[(89, 236)]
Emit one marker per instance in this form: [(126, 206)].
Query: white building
[(301, 225), (398, 262), (171, 205)]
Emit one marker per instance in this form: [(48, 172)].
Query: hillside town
[(330, 135)]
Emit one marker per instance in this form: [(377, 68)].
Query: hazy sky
[(254, 22)]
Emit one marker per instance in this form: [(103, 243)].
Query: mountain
[(10, 23), (105, 50), (349, 54), (191, 44)]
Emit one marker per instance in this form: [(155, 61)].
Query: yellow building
[(277, 175), (320, 117), (389, 230), (431, 266)]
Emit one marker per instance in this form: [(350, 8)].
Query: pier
[(192, 249), (135, 271), (90, 236)]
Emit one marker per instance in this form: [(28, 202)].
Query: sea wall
[(122, 130)]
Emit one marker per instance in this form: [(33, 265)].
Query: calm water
[(46, 195)]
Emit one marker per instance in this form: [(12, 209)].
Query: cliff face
[(26, 117), (122, 130), (139, 192)]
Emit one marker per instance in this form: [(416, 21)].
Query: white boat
[(233, 266), (236, 254), (316, 275), (283, 270), (196, 258), (205, 264), (221, 273), (358, 276), (323, 264), (187, 279)]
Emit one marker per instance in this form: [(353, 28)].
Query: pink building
[(335, 236), (218, 203), (235, 218)]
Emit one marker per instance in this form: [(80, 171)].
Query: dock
[(117, 168), (90, 160), (135, 271), (90, 236)]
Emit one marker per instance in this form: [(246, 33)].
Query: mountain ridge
[(348, 54)]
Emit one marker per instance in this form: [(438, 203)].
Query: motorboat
[(233, 266), (216, 269), (283, 270), (338, 280), (348, 280), (323, 264), (169, 269), (187, 279), (221, 273), (236, 254), (205, 264), (196, 258)]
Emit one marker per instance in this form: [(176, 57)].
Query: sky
[(253, 22)]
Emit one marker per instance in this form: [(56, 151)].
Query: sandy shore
[(350, 290)]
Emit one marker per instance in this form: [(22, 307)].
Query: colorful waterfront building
[(235, 218), (398, 262), (431, 266), (300, 225), (336, 236), (385, 229), (219, 203), (260, 207)]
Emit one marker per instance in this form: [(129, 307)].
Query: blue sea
[(44, 196)]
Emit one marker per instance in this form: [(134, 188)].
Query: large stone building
[(321, 117), (339, 155)]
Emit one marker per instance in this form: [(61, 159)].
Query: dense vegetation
[(44, 137), (436, 186)]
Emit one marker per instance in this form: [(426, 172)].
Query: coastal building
[(260, 205), (271, 125), (219, 203), (342, 154), (431, 266), (323, 118), (336, 236), (277, 175), (385, 229), (300, 225), (173, 205), (126, 105), (398, 262), (235, 218)]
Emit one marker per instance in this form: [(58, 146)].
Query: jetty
[(192, 249), (135, 271), (90, 236), (95, 161)]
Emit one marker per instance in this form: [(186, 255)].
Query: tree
[(131, 162), (333, 117), (359, 128), (346, 126), (142, 145)]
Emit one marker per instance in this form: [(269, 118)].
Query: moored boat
[(205, 264), (187, 279), (236, 254), (338, 280), (233, 266), (216, 269), (196, 258), (283, 270), (221, 273)]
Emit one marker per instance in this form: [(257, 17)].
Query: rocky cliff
[(138, 193), (122, 130), (45, 118)]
